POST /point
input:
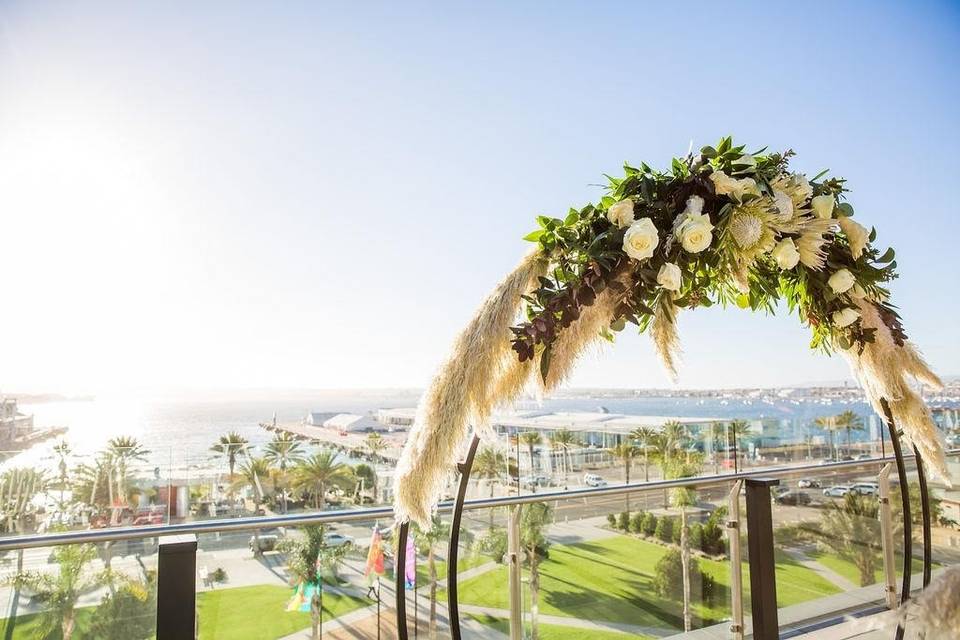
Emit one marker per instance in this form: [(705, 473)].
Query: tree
[(645, 437), (534, 520), (849, 422), (489, 464), (829, 424), (59, 591), (564, 440), (307, 556), (123, 450), (531, 439), (283, 451), (376, 445), (684, 497), (18, 487), (129, 613), (426, 541), (737, 430), (253, 471), (62, 451), (716, 440), (230, 446), (366, 477), (319, 473), (851, 529), (625, 452)]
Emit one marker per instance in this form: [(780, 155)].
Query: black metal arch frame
[(466, 466)]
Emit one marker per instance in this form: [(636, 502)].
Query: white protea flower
[(752, 229), (857, 236), (784, 205), (814, 235), (725, 185), (794, 185)]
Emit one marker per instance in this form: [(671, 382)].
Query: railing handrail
[(9, 543)]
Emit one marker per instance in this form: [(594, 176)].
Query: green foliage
[(636, 522), (649, 526), (128, 614), (587, 257), (623, 521), (612, 520), (696, 536), (668, 579), (492, 542), (665, 529), (219, 575)]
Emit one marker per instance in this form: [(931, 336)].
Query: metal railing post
[(736, 567), (177, 588), (763, 577), (886, 538), (513, 573)]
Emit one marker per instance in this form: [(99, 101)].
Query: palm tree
[(307, 555), (123, 450), (18, 486), (282, 452), (716, 440), (737, 430), (376, 445), (253, 471), (60, 590), (426, 541), (564, 440), (625, 452), (645, 437), (489, 464), (534, 519), (320, 472), (683, 498), (62, 451), (849, 422), (851, 529), (829, 424), (230, 446), (531, 439)]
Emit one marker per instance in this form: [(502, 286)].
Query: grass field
[(612, 580), (849, 570)]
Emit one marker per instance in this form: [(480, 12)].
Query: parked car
[(593, 480), (809, 483), (864, 456), (837, 491), (866, 488), (535, 481), (337, 539), (795, 498), (268, 542)]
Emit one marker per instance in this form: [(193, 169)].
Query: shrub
[(649, 524), (636, 522), (712, 541), (668, 579), (665, 529), (612, 520), (708, 588), (696, 536), (493, 543), (623, 521), (677, 531), (219, 575)]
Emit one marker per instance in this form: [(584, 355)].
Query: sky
[(319, 195)]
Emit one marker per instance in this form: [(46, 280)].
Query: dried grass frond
[(461, 391), (666, 338), (885, 371)]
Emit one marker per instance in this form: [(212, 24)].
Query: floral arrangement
[(722, 226)]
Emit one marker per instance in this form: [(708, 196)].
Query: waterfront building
[(13, 424)]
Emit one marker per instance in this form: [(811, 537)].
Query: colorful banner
[(410, 576), (374, 567)]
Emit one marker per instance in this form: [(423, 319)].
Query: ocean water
[(179, 431)]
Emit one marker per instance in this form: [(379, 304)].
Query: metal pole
[(886, 537), (513, 575), (177, 588), (905, 505), (453, 548), (399, 569), (378, 607), (763, 577), (736, 568), (925, 513)]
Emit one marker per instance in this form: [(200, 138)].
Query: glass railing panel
[(82, 591)]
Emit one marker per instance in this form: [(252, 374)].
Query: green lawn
[(27, 625), (559, 632), (259, 612), (849, 570), (612, 580), (469, 561)]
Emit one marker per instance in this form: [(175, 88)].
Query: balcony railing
[(603, 562)]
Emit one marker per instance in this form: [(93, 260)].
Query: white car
[(337, 539), (836, 492), (866, 488), (593, 480), (808, 483)]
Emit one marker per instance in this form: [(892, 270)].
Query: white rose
[(669, 277), (823, 206), (725, 185), (845, 317), (621, 213), (641, 239), (786, 254), (841, 281), (784, 205), (696, 233)]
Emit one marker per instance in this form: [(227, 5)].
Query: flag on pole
[(374, 567), (410, 578)]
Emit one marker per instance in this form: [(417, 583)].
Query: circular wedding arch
[(721, 226)]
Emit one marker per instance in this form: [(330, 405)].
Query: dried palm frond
[(933, 614), (666, 338), (460, 391)]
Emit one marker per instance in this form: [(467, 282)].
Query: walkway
[(827, 573), (577, 623)]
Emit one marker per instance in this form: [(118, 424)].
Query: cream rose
[(857, 235), (621, 213), (823, 206), (784, 205), (786, 254), (669, 277), (841, 281), (696, 233), (845, 317), (725, 185), (641, 239)]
